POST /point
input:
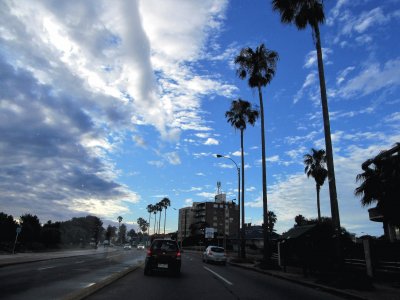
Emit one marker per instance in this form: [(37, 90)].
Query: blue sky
[(106, 107)]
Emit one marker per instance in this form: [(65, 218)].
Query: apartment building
[(219, 214)]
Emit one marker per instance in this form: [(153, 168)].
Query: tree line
[(77, 232)]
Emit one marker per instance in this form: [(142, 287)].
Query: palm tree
[(315, 167), (159, 208), (259, 67), (119, 226), (238, 116), (154, 211), (379, 183), (165, 202), (149, 210), (303, 13)]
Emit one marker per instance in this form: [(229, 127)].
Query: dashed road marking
[(219, 276), (45, 268)]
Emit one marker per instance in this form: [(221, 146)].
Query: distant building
[(219, 214)]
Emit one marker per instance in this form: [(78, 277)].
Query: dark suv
[(163, 255)]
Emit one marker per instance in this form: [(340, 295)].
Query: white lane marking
[(219, 276), (90, 284), (79, 262), (45, 268)]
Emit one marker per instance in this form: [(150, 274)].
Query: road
[(56, 278), (206, 281)]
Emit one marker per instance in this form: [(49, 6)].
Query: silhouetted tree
[(303, 13), (165, 202), (259, 67), (272, 219), (31, 228), (240, 114), (8, 228), (315, 167)]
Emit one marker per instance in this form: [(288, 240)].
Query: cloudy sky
[(108, 106)]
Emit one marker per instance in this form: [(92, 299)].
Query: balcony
[(375, 214)]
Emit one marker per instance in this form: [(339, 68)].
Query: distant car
[(127, 247), (140, 247), (163, 255), (214, 254)]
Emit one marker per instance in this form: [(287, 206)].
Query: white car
[(127, 247), (214, 254), (140, 247)]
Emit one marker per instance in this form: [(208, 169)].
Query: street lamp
[(240, 236)]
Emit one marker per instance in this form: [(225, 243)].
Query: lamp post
[(240, 236)]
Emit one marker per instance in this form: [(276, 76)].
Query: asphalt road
[(206, 281), (56, 278)]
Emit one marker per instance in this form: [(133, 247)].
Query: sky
[(108, 106)]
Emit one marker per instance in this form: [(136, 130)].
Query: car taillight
[(178, 254), (149, 252)]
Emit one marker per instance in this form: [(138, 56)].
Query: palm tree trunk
[(318, 205), (159, 223), (266, 252), (155, 223), (243, 232), (165, 218), (149, 225), (327, 130)]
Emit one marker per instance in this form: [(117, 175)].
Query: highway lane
[(206, 281), (55, 278)]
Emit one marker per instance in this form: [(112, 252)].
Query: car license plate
[(163, 266)]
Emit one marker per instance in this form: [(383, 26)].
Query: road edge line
[(87, 291)]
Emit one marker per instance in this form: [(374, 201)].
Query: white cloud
[(394, 117), (156, 163), (226, 166), (372, 78), (202, 154), (211, 141), (311, 57), (342, 75), (173, 158), (202, 135), (308, 86), (188, 202), (274, 158), (207, 195), (250, 189)]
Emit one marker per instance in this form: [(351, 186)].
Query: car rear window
[(165, 245), (218, 250)]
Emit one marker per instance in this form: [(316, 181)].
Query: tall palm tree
[(165, 202), (240, 114), (315, 167), (119, 227), (303, 13), (159, 208), (259, 67), (150, 211), (155, 210)]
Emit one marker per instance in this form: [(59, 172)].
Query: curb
[(309, 284), (86, 292)]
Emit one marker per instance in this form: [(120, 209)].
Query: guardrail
[(380, 266)]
